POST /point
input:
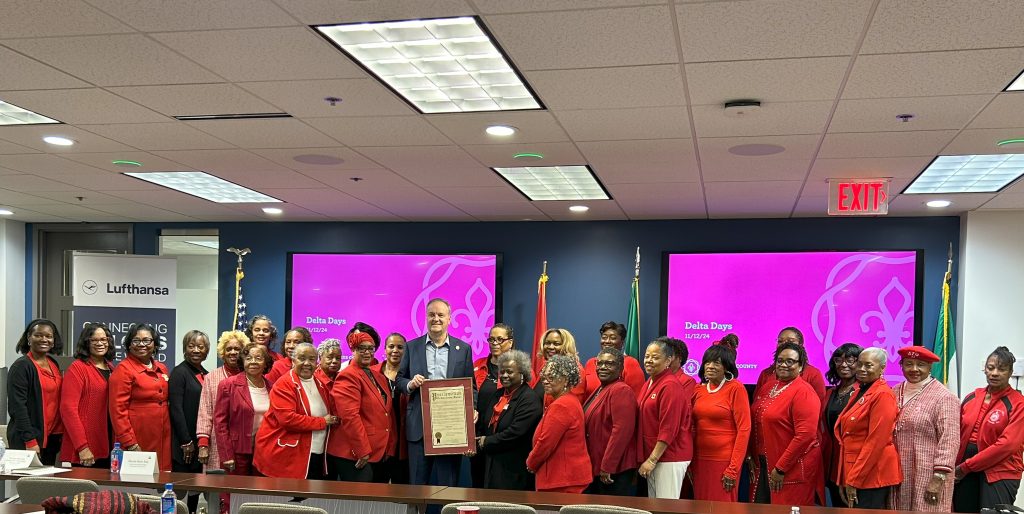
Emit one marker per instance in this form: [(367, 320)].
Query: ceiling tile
[(34, 184), (32, 137), (1005, 111), (289, 53), (626, 162), (119, 60), (88, 198), (266, 133), (502, 156), (141, 212), (1005, 201), (10, 198), (751, 199), (618, 124), (6, 147), (319, 12), (286, 157), (380, 131), (1016, 187), (104, 161), (331, 203), (82, 106), (663, 200), (983, 141), (930, 113), (773, 119), (503, 211), (513, 6), (599, 210), (434, 166), (36, 18), (217, 161), (104, 181), (159, 136), (182, 203), (587, 39), (264, 180), (369, 180), (469, 195), (32, 74), (929, 25), (934, 74), (412, 203), (196, 14), (774, 80), (885, 144), (305, 98), (796, 147), (787, 28), (470, 128), (735, 168), (868, 167), (194, 99), (907, 205), (609, 88), (811, 207), (43, 164)]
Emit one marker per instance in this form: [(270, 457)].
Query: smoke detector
[(742, 108)]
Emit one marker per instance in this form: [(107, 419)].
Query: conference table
[(19, 508)]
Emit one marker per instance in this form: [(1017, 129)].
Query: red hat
[(358, 337), (918, 353)]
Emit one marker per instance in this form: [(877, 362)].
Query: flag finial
[(636, 270)]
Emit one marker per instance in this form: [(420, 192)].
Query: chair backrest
[(36, 489), (599, 509), (278, 508), (490, 508), (154, 501)]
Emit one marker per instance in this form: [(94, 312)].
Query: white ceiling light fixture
[(436, 65), (545, 183), (58, 141), (579, 208), (967, 174), (273, 210), (11, 114), (6, 212), (205, 186), (501, 130), (1017, 84), (938, 204)]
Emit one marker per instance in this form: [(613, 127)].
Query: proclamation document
[(448, 416)]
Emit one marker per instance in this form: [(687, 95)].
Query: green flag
[(632, 343), (945, 339)]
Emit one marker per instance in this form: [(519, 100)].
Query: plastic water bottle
[(115, 458), (168, 501), (794, 510)]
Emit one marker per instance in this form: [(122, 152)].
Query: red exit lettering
[(860, 196)]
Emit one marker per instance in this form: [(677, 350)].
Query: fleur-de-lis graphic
[(477, 319), (475, 330)]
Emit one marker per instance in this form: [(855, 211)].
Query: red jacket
[(321, 376), (786, 433), (137, 402), (83, 409), (233, 416), (399, 421), (1000, 437), (663, 408), (632, 374), (480, 370), (285, 436), (866, 454), (281, 368), (559, 456), (611, 427), (810, 374), (366, 427)]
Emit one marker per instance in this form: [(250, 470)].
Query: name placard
[(139, 463), (19, 459)]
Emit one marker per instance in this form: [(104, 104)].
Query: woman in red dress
[(721, 426), (786, 461), (138, 398), (559, 457)]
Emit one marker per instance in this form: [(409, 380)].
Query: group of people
[(546, 422)]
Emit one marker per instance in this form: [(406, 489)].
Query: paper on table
[(48, 470)]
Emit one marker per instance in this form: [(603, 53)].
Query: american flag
[(241, 319)]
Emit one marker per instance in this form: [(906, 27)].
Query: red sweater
[(663, 407), (559, 456), (810, 374), (83, 409), (632, 374), (1000, 437), (721, 425)]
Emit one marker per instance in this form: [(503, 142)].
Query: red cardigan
[(611, 426), (664, 408), (1000, 437), (83, 409), (366, 427), (721, 425), (233, 416), (632, 374), (285, 436), (786, 433), (559, 456), (867, 456), (138, 408), (810, 374)]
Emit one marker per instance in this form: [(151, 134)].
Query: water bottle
[(168, 501), (115, 458), (794, 510)]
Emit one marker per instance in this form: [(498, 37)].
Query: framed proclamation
[(448, 427)]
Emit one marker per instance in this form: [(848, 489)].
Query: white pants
[(666, 481)]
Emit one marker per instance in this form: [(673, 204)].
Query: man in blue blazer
[(432, 357)]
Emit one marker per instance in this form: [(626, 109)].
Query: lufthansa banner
[(121, 290)]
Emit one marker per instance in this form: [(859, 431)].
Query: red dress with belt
[(138, 408)]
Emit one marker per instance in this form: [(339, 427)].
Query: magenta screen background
[(867, 298), (331, 292)]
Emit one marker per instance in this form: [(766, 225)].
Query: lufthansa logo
[(89, 287)]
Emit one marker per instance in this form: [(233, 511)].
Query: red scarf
[(501, 406)]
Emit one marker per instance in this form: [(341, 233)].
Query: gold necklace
[(776, 392)]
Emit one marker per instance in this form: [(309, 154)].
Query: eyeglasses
[(498, 340), (786, 362), (364, 349), (98, 341), (605, 364), (142, 342), (849, 362)]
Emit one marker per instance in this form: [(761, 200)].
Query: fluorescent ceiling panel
[(205, 186), (968, 174), (438, 65), (542, 183), (11, 114), (1017, 84)]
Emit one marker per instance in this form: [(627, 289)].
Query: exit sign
[(858, 197)]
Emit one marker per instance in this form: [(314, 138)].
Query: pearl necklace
[(776, 392), (719, 388)]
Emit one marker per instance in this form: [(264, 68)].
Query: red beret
[(358, 337), (918, 353)]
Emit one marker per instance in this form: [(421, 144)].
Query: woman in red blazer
[(785, 453), (989, 464), (292, 438), (662, 441), (329, 353), (362, 399), (242, 402), (559, 457), (83, 400), (842, 374), (138, 398), (394, 468), (868, 463), (610, 415)]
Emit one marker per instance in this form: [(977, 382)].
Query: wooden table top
[(397, 493), (19, 508), (105, 477)]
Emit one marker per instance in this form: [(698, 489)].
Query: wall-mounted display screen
[(866, 297)]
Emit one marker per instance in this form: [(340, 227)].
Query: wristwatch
[(940, 476)]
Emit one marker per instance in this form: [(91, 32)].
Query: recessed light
[(204, 185), (1017, 84), (540, 183), (5, 212), (528, 156), (501, 130), (579, 208), (436, 65), (1014, 141), (968, 174), (939, 203), (58, 141), (272, 210), (126, 164), (11, 114)]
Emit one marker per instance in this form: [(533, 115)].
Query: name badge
[(139, 463)]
